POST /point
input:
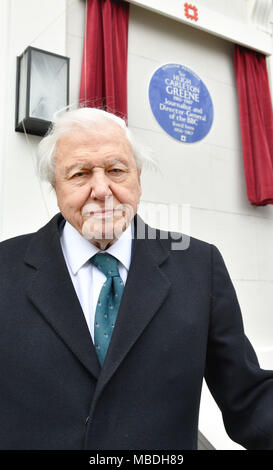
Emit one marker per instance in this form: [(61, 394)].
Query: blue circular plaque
[(181, 103)]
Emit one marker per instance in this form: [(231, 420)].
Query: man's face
[(97, 182)]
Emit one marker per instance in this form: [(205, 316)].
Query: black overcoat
[(179, 321)]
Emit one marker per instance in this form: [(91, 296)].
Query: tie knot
[(106, 263)]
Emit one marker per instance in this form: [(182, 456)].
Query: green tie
[(108, 302)]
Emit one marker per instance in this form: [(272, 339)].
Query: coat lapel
[(52, 292), (145, 291)]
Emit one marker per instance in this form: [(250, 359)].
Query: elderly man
[(106, 336)]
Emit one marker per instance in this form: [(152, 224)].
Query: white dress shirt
[(87, 278)]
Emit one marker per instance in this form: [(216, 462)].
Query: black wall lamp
[(42, 88)]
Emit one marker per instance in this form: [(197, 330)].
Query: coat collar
[(52, 292), (145, 291)]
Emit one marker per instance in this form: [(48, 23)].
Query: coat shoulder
[(12, 250), (180, 242), (15, 243)]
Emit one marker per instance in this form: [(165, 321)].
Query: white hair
[(86, 119)]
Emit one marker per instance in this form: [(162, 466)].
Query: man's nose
[(100, 187)]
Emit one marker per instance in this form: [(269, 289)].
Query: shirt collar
[(78, 250)]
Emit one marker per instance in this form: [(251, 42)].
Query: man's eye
[(79, 174), (115, 170)]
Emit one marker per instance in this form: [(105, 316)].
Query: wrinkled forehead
[(93, 132), (94, 141)]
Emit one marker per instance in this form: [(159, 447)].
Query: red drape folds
[(104, 64), (256, 119)]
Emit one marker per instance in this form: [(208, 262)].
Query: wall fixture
[(42, 88)]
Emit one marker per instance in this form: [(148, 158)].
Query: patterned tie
[(108, 302)]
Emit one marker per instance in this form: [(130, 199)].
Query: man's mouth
[(101, 213)]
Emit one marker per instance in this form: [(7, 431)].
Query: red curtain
[(256, 119), (104, 63)]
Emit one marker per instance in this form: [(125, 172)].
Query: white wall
[(208, 175), (24, 207), (75, 26), (245, 22)]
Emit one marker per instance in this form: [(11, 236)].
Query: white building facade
[(204, 180)]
